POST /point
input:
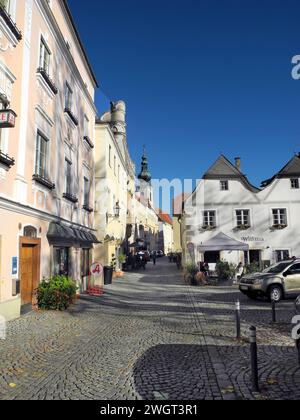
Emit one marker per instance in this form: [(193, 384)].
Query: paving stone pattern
[(149, 337)]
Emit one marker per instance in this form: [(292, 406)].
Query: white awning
[(222, 242)]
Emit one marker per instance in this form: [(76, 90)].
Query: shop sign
[(7, 118), (247, 239), (96, 270)]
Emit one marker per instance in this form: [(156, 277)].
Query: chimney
[(238, 163)]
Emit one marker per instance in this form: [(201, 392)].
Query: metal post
[(254, 360), (273, 311), (298, 348), (238, 319)]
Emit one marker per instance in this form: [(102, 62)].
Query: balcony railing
[(10, 23), (6, 161), (87, 208), (47, 79), (72, 116), (70, 197), (43, 181), (89, 142)]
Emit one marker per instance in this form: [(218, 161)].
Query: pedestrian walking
[(239, 272), (154, 257)]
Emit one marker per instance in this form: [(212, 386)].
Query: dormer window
[(295, 184), (224, 185)]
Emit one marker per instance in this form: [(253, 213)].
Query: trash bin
[(108, 275)]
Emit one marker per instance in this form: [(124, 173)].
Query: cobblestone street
[(149, 337)]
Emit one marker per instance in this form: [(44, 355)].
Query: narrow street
[(149, 337)]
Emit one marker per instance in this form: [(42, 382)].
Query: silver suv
[(276, 283)]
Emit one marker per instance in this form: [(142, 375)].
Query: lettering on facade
[(252, 239)]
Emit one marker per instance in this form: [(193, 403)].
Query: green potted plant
[(56, 293), (191, 273), (122, 261), (225, 271)]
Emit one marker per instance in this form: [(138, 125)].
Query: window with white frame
[(68, 177), (209, 219), (279, 217), (41, 161), (45, 55), (295, 184), (224, 185), (86, 126), (68, 97), (86, 192), (109, 156), (243, 218)]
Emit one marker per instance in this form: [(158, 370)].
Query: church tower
[(145, 187)]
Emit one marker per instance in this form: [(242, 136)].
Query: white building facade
[(264, 221)]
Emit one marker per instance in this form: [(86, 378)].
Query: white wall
[(261, 235)]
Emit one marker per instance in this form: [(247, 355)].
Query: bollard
[(238, 319), (298, 348), (254, 360), (273, 311)]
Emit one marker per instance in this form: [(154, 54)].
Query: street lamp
[(117, 210)]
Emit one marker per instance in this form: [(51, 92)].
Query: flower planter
[(119, 274)]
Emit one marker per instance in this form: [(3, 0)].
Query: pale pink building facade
[(47, 158)]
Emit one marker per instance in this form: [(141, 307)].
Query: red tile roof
[(164, 217)]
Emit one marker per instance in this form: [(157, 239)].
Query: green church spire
[(145, 174)]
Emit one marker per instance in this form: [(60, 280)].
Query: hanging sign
[(7, 118)]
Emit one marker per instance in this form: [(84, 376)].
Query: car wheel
[(275, 294)]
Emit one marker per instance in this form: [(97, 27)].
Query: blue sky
[(200, 78)]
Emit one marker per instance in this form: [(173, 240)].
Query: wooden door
[(27, 273)]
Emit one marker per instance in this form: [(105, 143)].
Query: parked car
[(160, 254), (276, 282)]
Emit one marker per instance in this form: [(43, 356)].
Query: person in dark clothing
[(207, 269), (143, 261), (154, 257)]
